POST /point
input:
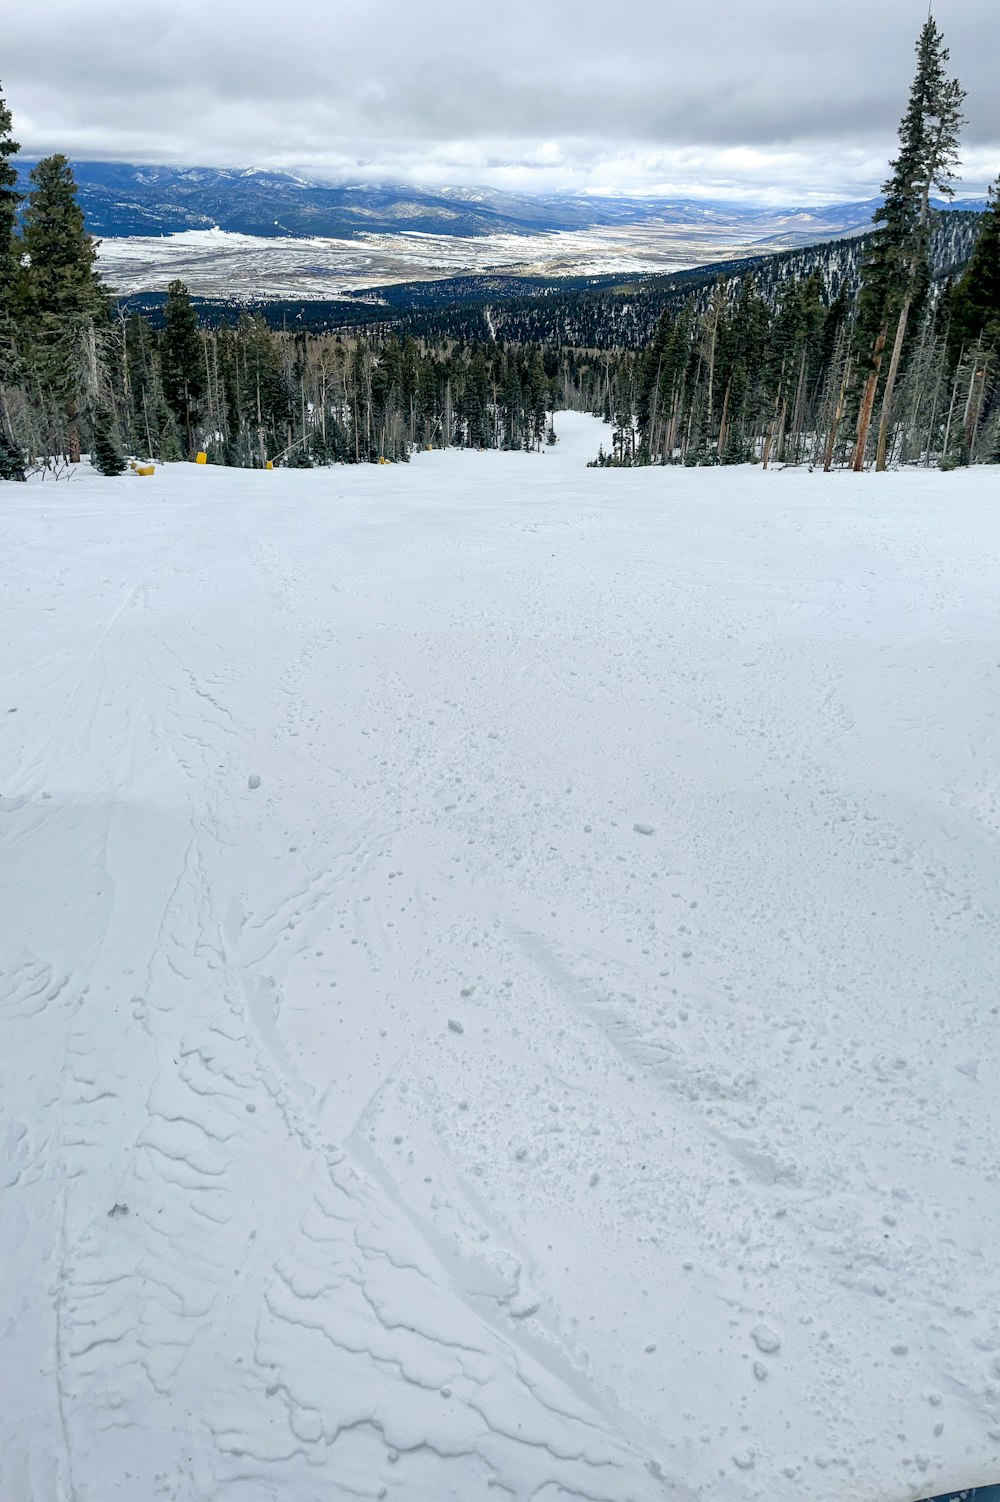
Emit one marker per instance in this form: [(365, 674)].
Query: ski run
[(499, 978)]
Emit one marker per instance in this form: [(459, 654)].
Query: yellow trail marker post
[(201, 458)]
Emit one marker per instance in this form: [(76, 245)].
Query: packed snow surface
[(500, 983)]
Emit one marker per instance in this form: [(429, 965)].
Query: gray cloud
[(770, 97)]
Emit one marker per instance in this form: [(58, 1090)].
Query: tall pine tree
[(67, 308), (895, 276)]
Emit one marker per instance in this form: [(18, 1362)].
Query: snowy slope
[(415, 1125)]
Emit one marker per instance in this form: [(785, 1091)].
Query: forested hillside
[(894, 359), (623, 314), (594, 312), (882, 348)]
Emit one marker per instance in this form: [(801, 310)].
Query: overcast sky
[(778, 99)]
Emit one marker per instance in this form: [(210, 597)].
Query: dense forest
[(881, 349), (615, 313), (893, 362), (82, 373)]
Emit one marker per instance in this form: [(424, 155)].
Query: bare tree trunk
[(72, 431), (145, 417), (676, 408), (798, 409), (918, 391), (723, 420), (354, 424), (126, 378), (188, 427), (951, 409), (868, 400), (779, 442), (838, 414), (210, 422), (934, 403), (260, 425), (710, 413), (890, 383), (769, 439), (974, 434), (972, 408)]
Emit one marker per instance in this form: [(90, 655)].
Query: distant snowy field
[(217, 262), (572, 1071)]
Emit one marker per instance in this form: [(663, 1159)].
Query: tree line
[(80, 372), (248, 395), (900, 363), (876, 350)]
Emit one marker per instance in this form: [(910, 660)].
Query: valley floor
[(219, 263), (570, 1071)]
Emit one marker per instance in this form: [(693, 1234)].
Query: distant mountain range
[(124, 200)]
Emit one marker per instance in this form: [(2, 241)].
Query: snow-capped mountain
[(121, 200)]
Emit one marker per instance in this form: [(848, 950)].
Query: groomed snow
[(500, 983)]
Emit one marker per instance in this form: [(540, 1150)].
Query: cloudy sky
[(772, 99)]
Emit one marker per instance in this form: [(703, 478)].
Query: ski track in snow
[(571, 1072)]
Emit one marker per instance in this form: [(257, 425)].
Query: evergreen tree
[(182, 365), (895, 276), (61, 280), (11, 460), (11, 457), (975, 300), (10, 198), (106, 450), (67, 309)]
